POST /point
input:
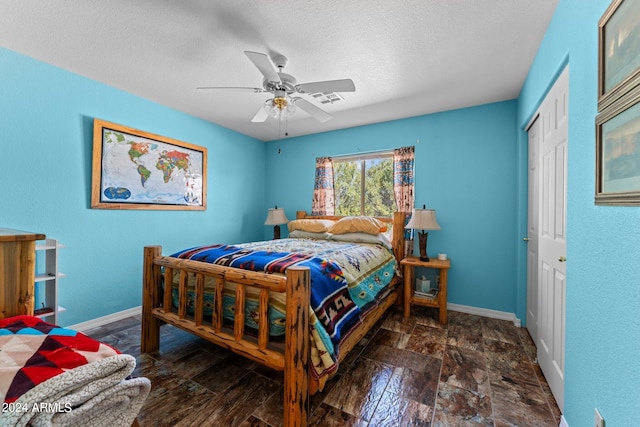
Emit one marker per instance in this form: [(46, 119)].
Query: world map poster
[(138, 170)]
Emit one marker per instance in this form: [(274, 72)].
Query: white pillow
[(300, 234), (378, 239)]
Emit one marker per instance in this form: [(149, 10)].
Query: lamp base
[(422, 244), (276, 232)]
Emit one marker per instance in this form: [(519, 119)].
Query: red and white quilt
[(32, 351), (51, 375)]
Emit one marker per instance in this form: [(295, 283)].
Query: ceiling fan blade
[(264, 64), (260, 116), (344, 85), (231, 89), (316, 112)]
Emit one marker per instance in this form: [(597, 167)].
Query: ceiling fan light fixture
[(280, 106), (280, 102)]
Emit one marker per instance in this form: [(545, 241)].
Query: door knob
[(562, 259), (526, 239)]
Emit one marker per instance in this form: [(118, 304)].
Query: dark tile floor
[(475, 371)]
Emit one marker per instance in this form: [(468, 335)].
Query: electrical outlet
[(599, 421)]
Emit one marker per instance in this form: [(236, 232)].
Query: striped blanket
[(347, 281), (330, 298)]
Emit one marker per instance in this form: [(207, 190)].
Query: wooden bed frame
[(294, 359)]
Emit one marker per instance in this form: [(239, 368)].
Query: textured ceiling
[(406, 57)]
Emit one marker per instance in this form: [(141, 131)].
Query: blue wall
[(46, 122), (465, 169), (469, 163), (602, 368)]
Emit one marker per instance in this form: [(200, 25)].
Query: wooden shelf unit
[(410, 297)]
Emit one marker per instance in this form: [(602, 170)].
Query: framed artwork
[(618, 51), (133, 169), (618, 153)]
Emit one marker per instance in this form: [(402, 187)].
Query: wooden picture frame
[(618, 153), (133, 169), (618, 51)]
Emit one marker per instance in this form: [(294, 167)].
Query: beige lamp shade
[(423, 219), (276, 216)]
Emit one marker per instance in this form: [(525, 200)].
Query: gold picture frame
[(133, 169), (618, 51), (618, 153)]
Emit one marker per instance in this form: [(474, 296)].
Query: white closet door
[(533, 229), (552, 236)]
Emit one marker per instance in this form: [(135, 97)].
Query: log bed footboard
[(156, 309), (293, 360)]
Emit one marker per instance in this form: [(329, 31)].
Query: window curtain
[(324, 202), (403, 182)]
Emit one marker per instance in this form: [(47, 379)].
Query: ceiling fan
[(283, 86)]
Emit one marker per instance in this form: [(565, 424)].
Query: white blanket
[(96, 394)]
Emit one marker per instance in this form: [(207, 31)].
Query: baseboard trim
[(90, 324), (485, 312), (563, 422)]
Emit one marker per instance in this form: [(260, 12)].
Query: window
[(363, 185)]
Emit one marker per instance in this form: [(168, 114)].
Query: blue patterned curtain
[(403, 182), (324, 202)]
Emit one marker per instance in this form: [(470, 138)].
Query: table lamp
[(275, 217), (423, 219)]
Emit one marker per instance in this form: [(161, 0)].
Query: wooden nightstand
[(440, 301)]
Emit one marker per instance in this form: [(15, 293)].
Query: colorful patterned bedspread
[(347, 279), (33, 351)]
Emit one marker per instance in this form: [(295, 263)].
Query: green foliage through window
[(364, 186)]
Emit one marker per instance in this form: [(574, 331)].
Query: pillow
[(299, 234), (311, 225), (388, 233), (379, 239), (358, 224)]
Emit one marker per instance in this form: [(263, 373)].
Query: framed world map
[(133, 169)]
